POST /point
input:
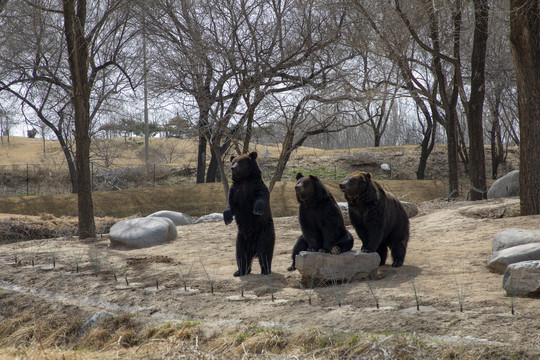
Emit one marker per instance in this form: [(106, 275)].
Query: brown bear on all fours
[(249, 203), (377, 216), (321, 220)]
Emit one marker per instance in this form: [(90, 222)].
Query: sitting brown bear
[(377, 216), (321, 221)]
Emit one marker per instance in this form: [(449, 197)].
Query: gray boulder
[(514, 237), (142, 232), (506, 186), (214, 217), (522, 279), (500, 260), (410, 208), (341, 267), (178, 218)]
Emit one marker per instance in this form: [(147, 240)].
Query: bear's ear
[(253, 155), (232, 158), (313, 177), (299, 176), (368, 176)]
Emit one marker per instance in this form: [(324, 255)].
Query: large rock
[(410, 208), (213, 217), (506, 186), (522, 279), (142, 232), (341, 267), (514, 237), (500, 260), (178, 218)]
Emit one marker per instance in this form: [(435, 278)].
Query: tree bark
[(525, 42), (477, 160), (74, 23)]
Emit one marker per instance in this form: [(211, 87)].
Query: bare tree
[(226, 56), (525, 41), (77, 45)]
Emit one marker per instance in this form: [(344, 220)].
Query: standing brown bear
[(321, 221), (377, 216), (249, 203)]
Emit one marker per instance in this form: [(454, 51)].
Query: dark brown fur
[(377, 216)]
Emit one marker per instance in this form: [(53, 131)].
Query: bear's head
[(245, 167), (356, 184), (309, 189)]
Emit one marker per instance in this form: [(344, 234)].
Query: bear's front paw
[(227, 216), (311, 250), (322, 251), (258, 211), (335, 250), (291, 268)]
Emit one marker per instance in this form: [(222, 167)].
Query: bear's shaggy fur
[(377, 216), (323, 228), (249, 203)]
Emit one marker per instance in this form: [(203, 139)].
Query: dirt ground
[(445, 265)]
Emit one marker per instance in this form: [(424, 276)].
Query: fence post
[(27, 180)]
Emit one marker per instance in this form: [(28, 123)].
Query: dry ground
[(42, 308)]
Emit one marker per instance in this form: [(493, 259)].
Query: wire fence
[(39, 179)]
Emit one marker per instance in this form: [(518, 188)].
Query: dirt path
[(450, 244)]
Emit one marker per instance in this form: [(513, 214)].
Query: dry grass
[(15, 228), (195, 199)]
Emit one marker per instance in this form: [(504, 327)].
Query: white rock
[(142, 232), (214, 217), (522, 279), (514, 237), (500, 260), (385, 167), (506, 186), (340, 267), (178, 218)]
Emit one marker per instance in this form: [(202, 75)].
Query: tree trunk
[(71, 165), (477, 159), (216, 153), (201, 159), (525, 41), (211, 173), (427, 145), (77, 46), (497, 150)]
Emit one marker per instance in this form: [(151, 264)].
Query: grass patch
[(192, 199)]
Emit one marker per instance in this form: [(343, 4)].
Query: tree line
[(460, 72)]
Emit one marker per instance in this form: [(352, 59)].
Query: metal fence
[(38, 179)]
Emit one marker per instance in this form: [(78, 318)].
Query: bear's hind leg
[(383, 253), (399, 250), (301, 245), (265, 249), (244, 256)]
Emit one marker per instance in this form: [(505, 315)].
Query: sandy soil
[(449, 246)]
